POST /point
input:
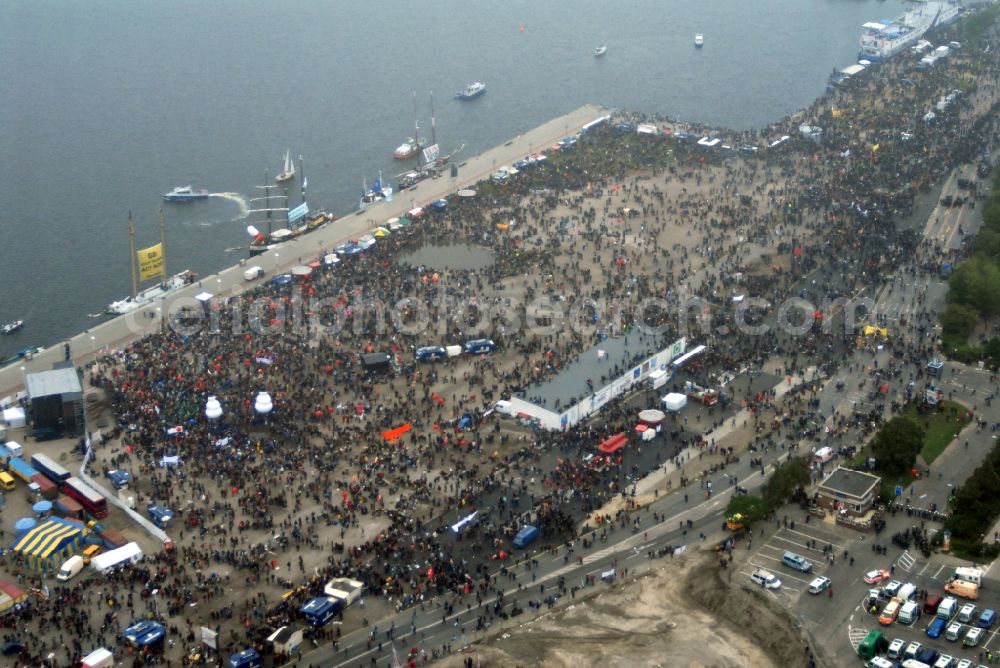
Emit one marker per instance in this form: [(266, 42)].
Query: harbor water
[(109, 105)]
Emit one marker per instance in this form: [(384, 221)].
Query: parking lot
[(840, 615)]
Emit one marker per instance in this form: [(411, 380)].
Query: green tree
[(897, 445), (752, 508), (789, 476), (957, 322)]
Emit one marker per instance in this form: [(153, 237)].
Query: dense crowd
[(312, 489)]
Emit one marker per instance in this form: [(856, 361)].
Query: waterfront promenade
[(114, 333)]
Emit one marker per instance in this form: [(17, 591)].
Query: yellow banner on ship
[(150, 262)]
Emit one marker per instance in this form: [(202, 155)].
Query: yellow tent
[(380, 232)]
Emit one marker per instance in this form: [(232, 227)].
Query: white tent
[(674, 401), (14, 417), (649, 435)]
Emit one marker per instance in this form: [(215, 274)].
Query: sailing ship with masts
[(149, 263), (429, 159), (281, 223)]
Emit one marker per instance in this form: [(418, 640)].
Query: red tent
[(614, 443), (394, 434)]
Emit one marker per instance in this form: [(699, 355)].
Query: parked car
[(973, 637), (765, 579), (876, 576)]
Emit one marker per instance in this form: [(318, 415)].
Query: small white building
[(599, 375)]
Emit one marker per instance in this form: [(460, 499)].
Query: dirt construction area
[(684, 614)]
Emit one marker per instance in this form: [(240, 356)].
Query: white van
[(15, 448), (954, 631), (253, 273), (70, 568), (909, 613), (765, 579), (907, 591), (973, 575), (947, 608), (880, 662), (796, 561)]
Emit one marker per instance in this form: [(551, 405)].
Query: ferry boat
[(600, 51), (881, 40), (409, 148), (471, 92), (185, 194), (11, 327), (699, 40), (150, 295)]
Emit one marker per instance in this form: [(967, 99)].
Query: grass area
[(940, 427)]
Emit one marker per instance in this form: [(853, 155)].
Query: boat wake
[(240, 200)]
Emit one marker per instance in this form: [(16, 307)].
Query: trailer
[(105, 562), (525, 537), (321, 610), (51, 470), (345, 590), (21, 469)]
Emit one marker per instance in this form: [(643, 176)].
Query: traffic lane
[(705, 517), (443, 628)]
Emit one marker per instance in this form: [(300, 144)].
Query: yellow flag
[(150, 262)]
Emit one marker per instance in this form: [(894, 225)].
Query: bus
[(51, 470), (92, 502)]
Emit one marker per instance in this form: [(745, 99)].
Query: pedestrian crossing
[(856, 635)]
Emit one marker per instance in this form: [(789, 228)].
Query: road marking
[(935, 576), (855, 636), (906, 561)]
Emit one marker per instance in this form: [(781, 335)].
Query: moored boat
[(375, 195), (699, 40), (150, 295), (11, 327), (600, 51), (185, 194), (881, 40), (472, 91), (408, 148)]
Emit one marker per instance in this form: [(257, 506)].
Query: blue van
[(479, 346), (987, 619), (248, 658), (430, 353), (936, 627)]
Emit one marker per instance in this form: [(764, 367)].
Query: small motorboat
[(699, 40), (472, 91), (600, 51), (11, 327), (185, 194)]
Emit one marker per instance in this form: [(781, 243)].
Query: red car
[(874, 577)]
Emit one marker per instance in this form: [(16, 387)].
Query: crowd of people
[(620, 232)]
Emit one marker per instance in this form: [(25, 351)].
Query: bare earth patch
[(683, 614)]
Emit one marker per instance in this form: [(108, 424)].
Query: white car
[(765, 579), (818, 585)]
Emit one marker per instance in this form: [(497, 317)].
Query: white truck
[(252, 273), (70, 568), (130, 553)]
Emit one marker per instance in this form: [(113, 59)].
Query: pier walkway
[(116, 332)]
